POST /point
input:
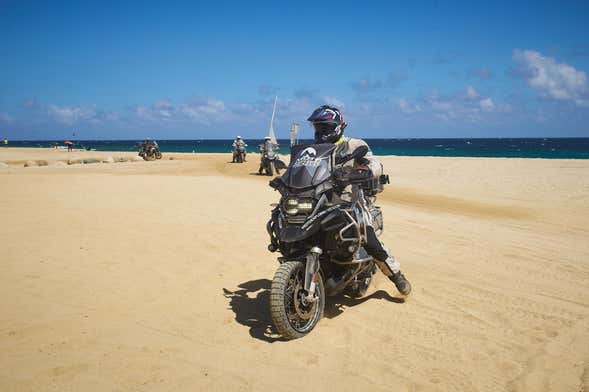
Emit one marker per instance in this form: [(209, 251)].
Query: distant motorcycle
[(269, 159), (149, 151), (239, 154), (270, 163)]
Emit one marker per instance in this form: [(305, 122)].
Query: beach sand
[(155, 276)]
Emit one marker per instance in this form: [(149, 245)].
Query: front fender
[(292, 233)]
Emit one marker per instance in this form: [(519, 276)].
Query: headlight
[(294, 206)]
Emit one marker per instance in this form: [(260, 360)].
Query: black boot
[(401, 283)]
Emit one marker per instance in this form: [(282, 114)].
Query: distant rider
[(329, 127), (148, 143), (238, 142)]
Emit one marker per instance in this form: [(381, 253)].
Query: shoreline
[(12, 156)]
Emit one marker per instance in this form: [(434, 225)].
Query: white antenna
[(294, 131), (271, 130)]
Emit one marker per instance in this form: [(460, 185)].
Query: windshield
[(310, 165)]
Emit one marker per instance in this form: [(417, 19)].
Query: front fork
[(312, 273)]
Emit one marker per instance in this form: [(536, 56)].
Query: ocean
[(551, 148)]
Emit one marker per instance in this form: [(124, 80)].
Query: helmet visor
[(324, 128), (326, 132)]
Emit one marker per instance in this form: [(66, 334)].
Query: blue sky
[(211, 70)]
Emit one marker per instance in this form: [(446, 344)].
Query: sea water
[(556, 148)]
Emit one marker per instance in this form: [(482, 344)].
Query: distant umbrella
[(67, 142)]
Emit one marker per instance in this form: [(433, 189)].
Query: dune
[(155, 276)]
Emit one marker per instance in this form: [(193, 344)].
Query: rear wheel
[(292, 314)]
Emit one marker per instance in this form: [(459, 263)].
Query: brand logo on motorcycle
[(307, 158), (309, 152)]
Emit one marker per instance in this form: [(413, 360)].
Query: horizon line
[(288, 139)]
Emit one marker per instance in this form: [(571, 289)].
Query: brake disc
[(300, 304)]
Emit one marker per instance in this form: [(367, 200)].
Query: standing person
[(329, 126)]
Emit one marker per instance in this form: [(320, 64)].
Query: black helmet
[(329, 124)]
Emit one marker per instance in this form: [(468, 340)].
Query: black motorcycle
[(149, 151), (270, 162), (320, 236)]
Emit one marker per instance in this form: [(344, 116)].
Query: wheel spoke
[(288, 303)]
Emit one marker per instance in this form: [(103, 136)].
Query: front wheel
[(292, 315)]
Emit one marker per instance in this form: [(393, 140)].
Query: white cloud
[(487, 104), (408, 107), (463, 106), (472, 93), (554, 80), (202, 109), (444, 106), (160, 110), (198, 109), (163, 107), (69, 115)]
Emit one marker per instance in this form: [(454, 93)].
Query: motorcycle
[(320, 237), (149, 152), (269, 159), (239, 154), (270, 162)]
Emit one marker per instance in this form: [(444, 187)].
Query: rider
[(148, 142), (237, 143), (329, 127)]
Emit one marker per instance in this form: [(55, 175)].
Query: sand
[(155, 276)]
